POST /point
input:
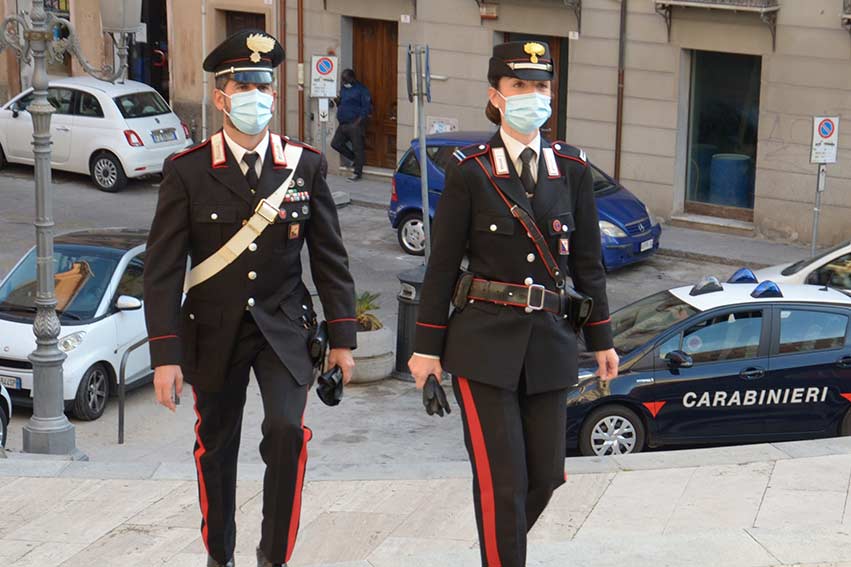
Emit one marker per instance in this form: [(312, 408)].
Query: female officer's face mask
[(250, 111), (526, 112)]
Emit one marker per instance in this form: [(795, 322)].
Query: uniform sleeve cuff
[(429, 339), (598, 337), (342, 333), (165, 350)]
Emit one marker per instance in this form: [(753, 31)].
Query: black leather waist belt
[(533, 297)]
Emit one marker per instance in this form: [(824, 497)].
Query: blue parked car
[(629, 232)]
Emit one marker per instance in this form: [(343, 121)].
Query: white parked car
[(110, 131), (831, 267), (5, 415), (98, 275)]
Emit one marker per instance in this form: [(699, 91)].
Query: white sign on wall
[(323, 76), (825, 139)]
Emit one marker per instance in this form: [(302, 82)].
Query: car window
[(800, 264), (642, 321), (142, 105), (806, 331), (836, 273), (729, 336), (601, 182), (25, 102), (60, 99), (441, 156), (89, 106), (410, 165), (131, 282)]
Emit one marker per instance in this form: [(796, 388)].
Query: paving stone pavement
[(751, 506)]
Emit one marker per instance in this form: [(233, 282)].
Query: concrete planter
[(374, 357)]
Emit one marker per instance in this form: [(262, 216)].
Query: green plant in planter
[(364, 305)]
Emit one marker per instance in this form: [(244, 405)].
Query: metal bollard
[(122, 386), (406, 324)]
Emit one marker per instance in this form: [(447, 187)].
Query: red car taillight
[(133, 139), (186, 130), (394, 197)]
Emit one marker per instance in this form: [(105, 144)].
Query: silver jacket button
[(252, 275), (214, 216), (192, 316), (251, 302), (252, 247), (493, 228), (528, 281), (530, 258)]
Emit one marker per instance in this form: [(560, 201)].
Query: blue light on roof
[(709, 284), (743, 275), (767, 289)]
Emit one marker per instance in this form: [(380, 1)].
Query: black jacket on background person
[(203, 203), (493, 344)]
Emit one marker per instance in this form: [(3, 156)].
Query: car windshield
[(800, 264), (142, 105), (601, 182), (82, 274), (642, 321)]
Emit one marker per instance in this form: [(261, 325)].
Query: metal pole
[(48, 430), (423, 155), (822, 171)]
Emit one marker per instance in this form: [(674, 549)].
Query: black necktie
[(526, 156), (250, 160)]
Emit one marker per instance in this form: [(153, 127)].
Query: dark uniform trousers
[(354, 134), (283, 448), (516, 444)]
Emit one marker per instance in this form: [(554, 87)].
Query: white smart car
[(831, 267), (5, 415), (112, 132), (98, 277)]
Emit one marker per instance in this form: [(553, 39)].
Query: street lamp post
[(31, 36)]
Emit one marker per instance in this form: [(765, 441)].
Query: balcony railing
[(767, 10), (575, 5)]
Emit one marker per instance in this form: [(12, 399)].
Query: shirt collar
[(514, 146), (239, 152)]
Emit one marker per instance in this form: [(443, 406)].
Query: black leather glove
[(329, 386), (434, 398)]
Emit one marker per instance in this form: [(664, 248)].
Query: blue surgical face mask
[(526, 112), (250, 111)]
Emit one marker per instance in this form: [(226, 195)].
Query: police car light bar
[(743, 275), (767, 289), (709, 284)]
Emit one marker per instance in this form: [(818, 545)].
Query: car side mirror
[(128, 303), (15, 110), (678, 359)]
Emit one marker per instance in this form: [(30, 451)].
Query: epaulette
[(565, 150), (471, 151), (301, 144), (189, 150)]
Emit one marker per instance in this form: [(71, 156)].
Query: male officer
[(522, 209), (241, 205)]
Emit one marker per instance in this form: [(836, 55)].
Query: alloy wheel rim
[(106, 173), (613, 435), (413, 235), (96, 391)]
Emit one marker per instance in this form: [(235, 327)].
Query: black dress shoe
[(213, 563), (263, 562)]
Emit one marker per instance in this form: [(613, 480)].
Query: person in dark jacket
[(522, 210), (242, 205), (354, 105)]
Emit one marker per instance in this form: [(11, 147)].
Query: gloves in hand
[(329, 386), (434, 398)]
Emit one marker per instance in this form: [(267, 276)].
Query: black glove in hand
[(329, 386), (434, 398)]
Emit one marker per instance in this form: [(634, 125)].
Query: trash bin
[(730, 182), (411, 283)]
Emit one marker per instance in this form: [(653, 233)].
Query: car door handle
[(62, 129), (752, 373), (844, 362)]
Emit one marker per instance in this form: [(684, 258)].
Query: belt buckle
[(267, 211), (536, 287)]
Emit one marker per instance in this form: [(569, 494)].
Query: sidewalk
[(680, 242), (749, 506)]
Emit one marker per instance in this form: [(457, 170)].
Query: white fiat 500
[(98, 277), (831, 267), (112, 132)]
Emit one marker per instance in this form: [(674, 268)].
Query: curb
[(366, 204), (697, 256)]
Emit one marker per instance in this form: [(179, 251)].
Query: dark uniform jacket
[(494, 344), (203, 200)]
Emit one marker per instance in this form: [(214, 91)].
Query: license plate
[(164, 136), (11, 382), (646, 245)]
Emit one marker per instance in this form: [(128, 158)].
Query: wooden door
[(375, 53), (555, 127)]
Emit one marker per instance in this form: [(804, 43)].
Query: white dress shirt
[(238, 153), (514, 147)]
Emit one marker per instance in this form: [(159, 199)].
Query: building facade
[(712, 126)]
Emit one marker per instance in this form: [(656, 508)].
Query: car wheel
[(4, 426), (92, 393), (411, 234), (611, 430), (107, 173), (845, 426)]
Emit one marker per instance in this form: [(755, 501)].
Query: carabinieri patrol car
[(716, 363)]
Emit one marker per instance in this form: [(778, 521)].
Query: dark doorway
[(375, 57), (238, 21), (149, 52), (556, 126)]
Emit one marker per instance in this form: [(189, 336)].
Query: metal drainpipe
[(301, 69), (282, 37), (205, 81), (621, 67)]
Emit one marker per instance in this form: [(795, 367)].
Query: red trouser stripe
[(483, 474), (202, 486), (295, 518)]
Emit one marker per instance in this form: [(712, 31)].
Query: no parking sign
[(323, 76), (825, 139)]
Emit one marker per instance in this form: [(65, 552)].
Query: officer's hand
[(343, 358), (422, 366), (168, 379), (607, 364)]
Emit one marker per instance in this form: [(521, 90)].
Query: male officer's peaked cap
[(249, 56), (527, 60)]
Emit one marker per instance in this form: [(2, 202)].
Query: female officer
[(522, 209)]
